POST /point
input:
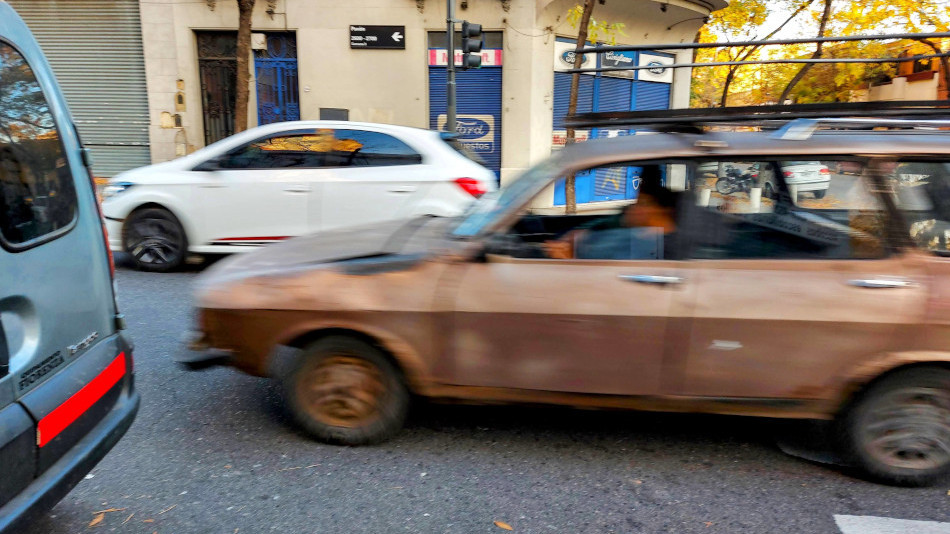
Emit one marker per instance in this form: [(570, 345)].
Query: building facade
[(314, 59)]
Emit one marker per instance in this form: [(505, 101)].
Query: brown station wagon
[(783, 305)]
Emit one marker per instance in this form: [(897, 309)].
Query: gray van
[(66, 385)]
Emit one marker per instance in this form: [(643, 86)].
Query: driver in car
[(655, 209)]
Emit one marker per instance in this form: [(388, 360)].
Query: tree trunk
[(570, 195), (746, 53), (825, 15), (242, 86), (725, 85)]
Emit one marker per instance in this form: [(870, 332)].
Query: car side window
[(323, 148), (784, 210), (641, 225), (302, 150), (38, 196), (922, 192), (361, 148)]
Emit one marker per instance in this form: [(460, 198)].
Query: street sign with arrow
[(386, 37)]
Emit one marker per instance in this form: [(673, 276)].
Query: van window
[(37, 194)]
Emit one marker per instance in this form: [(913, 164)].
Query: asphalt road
[(213, 452)]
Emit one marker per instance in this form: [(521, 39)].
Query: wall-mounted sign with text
[(439, 57), (367, 36), (619, 59), (475, 132), (564, 57), (657, 71)]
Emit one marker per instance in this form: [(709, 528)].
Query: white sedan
[(284, 180)]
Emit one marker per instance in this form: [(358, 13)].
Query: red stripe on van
[(66, 413)]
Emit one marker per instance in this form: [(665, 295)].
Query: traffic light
[(471, 45)]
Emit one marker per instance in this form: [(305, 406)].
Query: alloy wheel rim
[(154, 241), (910, 429), (344, 391)]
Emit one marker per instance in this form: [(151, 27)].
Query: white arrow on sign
[(397, 37)]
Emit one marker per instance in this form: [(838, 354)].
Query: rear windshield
[(37, 194)]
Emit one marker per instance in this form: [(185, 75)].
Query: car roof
[(298, 125), (748, 144)]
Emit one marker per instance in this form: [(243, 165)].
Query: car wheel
[(820, 194), (344, 391), (768, 191), (155, 240), (898, 431)]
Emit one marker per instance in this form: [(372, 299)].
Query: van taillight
[(824, 170), (471, 186), (102, 221)]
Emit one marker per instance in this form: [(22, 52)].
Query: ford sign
[(656, 68), (471, 128), (568, 57)]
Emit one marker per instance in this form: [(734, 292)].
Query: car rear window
[(37, 194)]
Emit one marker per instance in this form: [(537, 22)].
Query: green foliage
[(597, 30)]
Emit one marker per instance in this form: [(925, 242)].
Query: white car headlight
[(114, 189)]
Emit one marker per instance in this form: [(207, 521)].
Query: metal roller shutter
[(614, 94), (478, 96), (95, 49), (562, 93), (652, 95)]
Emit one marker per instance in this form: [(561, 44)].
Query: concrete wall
[(391, 86), (902, 89)]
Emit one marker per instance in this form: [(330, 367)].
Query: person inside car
[(612, 236)]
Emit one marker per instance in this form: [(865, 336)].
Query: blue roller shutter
[(652, 95), (614, 94), (562, 93), (478, 93)]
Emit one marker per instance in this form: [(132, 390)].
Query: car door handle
[(651, 279), (402, 189), (298, 189), (881, 283)]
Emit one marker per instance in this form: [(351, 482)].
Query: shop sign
[(438, 57), (564, 54), (657, 70), (613, 59), (475, 132)]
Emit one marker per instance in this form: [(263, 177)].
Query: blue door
[(278, 98)]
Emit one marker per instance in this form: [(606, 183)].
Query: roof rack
[(768, 116), (763, 43), (911, 114)]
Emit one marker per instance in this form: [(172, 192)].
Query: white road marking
[(867, 524)]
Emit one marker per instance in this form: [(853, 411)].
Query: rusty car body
[(455, 317)]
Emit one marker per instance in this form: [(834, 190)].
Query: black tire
[(897, 431), (155, 240), (342, 414), (768, 191), (724, 187), (820, 194)]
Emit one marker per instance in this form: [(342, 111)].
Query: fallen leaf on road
[(109, 510), (708, 523), (96, 520), (148, 521), (503, 525), (167, 509), (128, 518)]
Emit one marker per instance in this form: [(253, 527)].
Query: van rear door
[(63, 366)]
